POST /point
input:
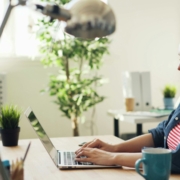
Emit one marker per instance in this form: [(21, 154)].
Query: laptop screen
[(41, 134)]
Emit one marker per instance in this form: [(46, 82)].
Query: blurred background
[(146, 39)]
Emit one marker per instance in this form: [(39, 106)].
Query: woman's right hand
[(97, 143)]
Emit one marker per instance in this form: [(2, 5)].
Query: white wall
[(147, 38)]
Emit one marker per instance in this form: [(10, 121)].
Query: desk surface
[(137, 117), (38, 164)]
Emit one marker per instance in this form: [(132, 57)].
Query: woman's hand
[(95, 156), (96, 143)]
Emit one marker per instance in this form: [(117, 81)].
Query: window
[(17, 38)]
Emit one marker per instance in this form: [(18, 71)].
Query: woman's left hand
[(96, 156)]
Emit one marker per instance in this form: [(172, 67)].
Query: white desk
[(135, 118)]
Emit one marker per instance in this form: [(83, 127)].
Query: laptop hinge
[(59, 157)]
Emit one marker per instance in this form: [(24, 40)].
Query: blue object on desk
[(6, 164)]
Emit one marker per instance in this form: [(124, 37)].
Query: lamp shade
[(91, 19), (86, 19)]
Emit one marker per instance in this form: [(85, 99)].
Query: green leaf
[(169, 91), (9, 116), (78, 61)]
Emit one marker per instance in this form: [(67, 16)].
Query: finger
[(94, 144), (83, 152), (77, 151), (85, 145), (83, 159), (80, 149), (79, 154)]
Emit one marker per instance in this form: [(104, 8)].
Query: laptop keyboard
[(69, 159)]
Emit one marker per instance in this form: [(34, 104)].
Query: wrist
[(116, 148), (120, 147), (126, 159), (116, 159)]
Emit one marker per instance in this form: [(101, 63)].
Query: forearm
[(126, 159), (135, 144)]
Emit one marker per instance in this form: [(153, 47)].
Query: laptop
[(62, 159)]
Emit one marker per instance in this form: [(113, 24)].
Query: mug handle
[(137, 164)]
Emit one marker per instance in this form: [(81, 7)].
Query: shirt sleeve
[(158, 132), (175, 166)]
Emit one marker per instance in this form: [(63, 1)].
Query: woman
[(166, 135)]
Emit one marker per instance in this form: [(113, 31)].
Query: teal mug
[(156, 164)]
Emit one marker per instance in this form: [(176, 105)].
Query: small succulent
[(169, 91), (9, 116)]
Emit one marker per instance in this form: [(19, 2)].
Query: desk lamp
[(86, 19)]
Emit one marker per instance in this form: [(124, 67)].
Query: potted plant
[(169, 93), (9, 122), (77, 61)]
